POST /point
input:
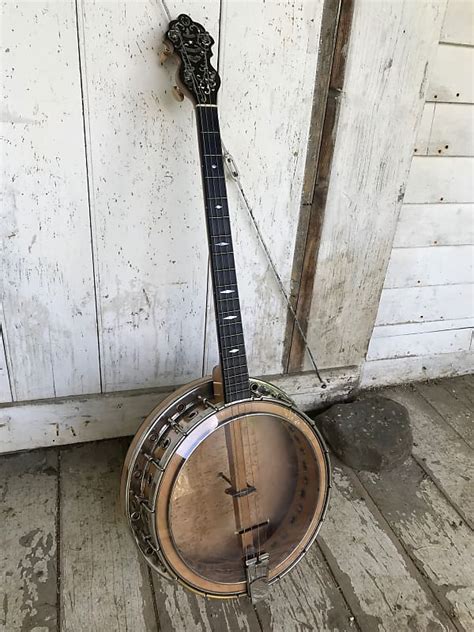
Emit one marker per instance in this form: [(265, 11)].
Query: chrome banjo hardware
[(257, 576)]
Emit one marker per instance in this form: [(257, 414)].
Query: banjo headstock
[(192, 45)]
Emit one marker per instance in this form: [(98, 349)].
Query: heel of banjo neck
[(217, 384)]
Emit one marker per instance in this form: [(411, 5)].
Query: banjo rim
[(278, 406)]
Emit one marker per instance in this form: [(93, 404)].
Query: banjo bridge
[(240, 493)]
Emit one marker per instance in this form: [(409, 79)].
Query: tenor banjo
[(226, 482)]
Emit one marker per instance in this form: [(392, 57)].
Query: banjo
[(226, 482)]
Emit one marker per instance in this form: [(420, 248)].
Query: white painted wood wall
[(104, 259), (425, 320), (105, 282)]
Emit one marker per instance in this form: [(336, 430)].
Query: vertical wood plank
[(28, 511), (389, 52), (265, 115), (382, 587), (438, 541), (148, 219), (5, 390), (104, 584), (48, 289)]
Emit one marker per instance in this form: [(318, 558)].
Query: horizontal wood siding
[(425, 321), (447, 129), (435, 224), (448, 180), (451, 77), (458, 26)]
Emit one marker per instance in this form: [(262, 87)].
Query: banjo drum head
[(252, 478)]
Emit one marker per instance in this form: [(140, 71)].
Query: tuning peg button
[(165, 54), (177, 93)]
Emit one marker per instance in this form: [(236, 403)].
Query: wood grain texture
[(403, 370), (454, 401), (435, 225), (74, 420), (440, 450), (424, 130), (260, 127), (376, 133), (448, 179), (419, 343), (379, 581), (104, 584), (179, 610), (148, 221), (430, 303), (458, 25), (441, 265), (5, 390), (307, 599), (447, 129), (436, 538), (451, 76), (47, 280), (303, 284), (28, 491)]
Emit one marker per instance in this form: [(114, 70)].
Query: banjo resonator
[(226, 483)]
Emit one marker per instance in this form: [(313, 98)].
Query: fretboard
[(230, 338)]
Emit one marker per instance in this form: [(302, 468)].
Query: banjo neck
[(230, 336)]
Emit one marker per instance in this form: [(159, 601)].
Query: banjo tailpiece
[(226, 483)]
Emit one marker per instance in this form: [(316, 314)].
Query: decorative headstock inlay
[(192, 44)]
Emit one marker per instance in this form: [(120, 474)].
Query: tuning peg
[(177, 93), (165, 54)]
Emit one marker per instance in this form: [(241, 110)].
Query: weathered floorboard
[(181, 611), (104, 584), (383, 588), (447, 398), (440, 450), (306, 599), (28, 506), (437, 540)]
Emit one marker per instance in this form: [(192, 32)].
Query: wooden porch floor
[(395, 552)]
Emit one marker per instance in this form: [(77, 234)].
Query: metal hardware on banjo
[(226, 483)]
